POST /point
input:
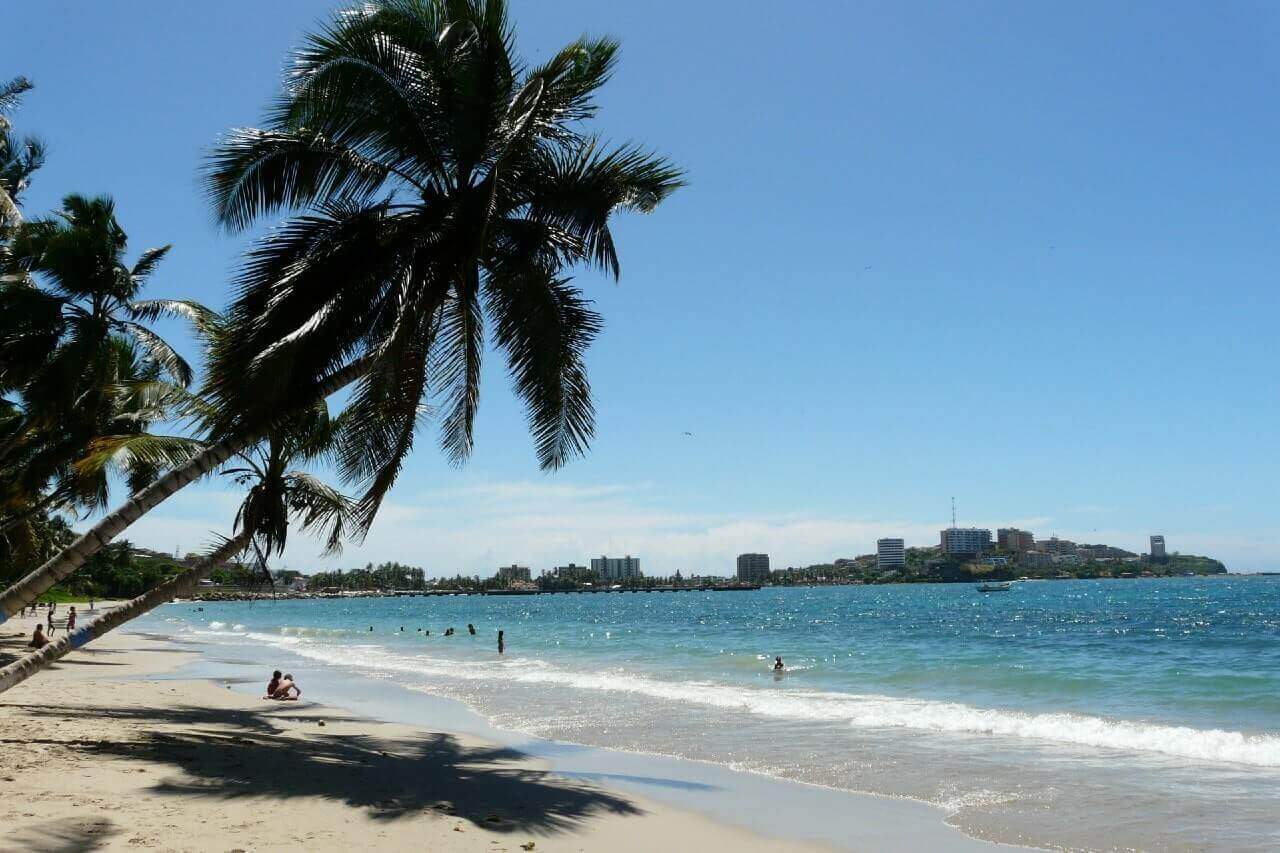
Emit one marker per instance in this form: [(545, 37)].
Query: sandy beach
[(102, 752)]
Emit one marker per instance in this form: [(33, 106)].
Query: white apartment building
[(961, 541), (616, 568), (890, 554)]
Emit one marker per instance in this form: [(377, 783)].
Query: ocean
[(1119, 714)]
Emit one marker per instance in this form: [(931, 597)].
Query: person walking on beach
[(49, 620), (71, 619), (502, 645)]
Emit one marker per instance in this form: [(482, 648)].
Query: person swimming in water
[(471, 629), (777, 664)]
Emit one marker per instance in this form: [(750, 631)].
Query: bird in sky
[(686, 432)]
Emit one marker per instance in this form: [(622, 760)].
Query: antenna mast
[(953, 513)]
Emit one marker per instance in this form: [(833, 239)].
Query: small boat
[(995, 586)]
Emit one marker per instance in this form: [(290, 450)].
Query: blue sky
[(1017, 253)]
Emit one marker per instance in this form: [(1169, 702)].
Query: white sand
[(98, 753)]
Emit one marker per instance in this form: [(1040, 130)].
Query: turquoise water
[(1028, 715)]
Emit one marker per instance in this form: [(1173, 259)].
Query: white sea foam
[(862, 711)]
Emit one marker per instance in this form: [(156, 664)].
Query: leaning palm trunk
[(74, 555), (22, 669)]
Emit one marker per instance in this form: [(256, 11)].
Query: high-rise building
[(1015, 540), (753, 568), (965, 541), (571, 572), (616, 568), (1157, 548), (1054, 545), (891, 555), (508, 574)]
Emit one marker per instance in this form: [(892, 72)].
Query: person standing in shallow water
[(501, 643)]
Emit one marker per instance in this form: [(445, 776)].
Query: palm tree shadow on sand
[(242, 754), (75, 835)]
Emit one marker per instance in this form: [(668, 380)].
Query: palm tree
[(83, 374), (442, 190), (84, 371), (65, 465), (276, 494), (53, 334), (19, 158)]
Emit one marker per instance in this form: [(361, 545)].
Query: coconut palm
[(79, 365), (19, 158), (276, 494), (444, 192), (53, 337), (82, 373), (65, 465)]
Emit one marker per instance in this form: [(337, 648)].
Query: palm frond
[(11, 92), (321, 509), (158, 350), (545, 327), (256, 172), (458, 348), (205, 320), (147, 263), (579, 190)]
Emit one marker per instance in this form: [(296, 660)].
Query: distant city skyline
[(474, 528)]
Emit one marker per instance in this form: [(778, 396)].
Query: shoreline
[(119, 746), (218, 594), (781, 809)]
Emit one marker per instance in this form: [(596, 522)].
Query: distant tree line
[(390, 575)]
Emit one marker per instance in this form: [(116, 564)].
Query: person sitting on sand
[(38, 639), (273, 685), (287, 684)]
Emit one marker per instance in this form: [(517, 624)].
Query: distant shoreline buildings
[(753, 568), (965, 541), (891, 555), (957, 548), (616, 568)]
